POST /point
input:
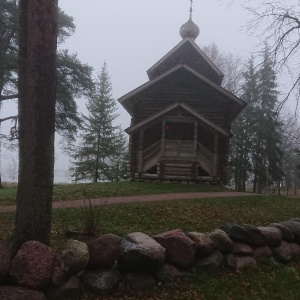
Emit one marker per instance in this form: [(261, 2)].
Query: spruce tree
[(102, 144), (243, 129), (256, 144), (267, 152)]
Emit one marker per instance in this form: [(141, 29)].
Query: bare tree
[(231, 66), (37, 93), (278, 23), (290, 149), (12, 169)]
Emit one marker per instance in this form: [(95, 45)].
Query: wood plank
[(140, 168), (216, 148)]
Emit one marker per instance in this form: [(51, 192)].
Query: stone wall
[(139, 262)]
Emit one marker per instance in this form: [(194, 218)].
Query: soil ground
[(136, 199)]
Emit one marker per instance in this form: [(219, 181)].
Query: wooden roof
[(187, 52), (128, 103), (170, 108)]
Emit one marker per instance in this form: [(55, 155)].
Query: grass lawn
[(110, 189), (268, 280)]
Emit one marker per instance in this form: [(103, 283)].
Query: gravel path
[(137, 199)]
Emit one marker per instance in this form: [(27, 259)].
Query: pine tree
[(267, 152), (102, 144), (243, 129), (256, 144)]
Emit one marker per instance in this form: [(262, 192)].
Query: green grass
[(189, 215), (268, 280), (110, 189), (201, 215), (8, 196)]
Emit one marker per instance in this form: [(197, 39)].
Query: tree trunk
[(97, 158), (37, 89), (236, 187), (1, 88), (254, 182), (259, 184)]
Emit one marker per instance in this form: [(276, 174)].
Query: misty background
[(131, 36)]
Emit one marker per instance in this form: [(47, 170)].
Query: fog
[(131, 36)]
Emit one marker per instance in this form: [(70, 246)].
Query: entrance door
[(179, 139)]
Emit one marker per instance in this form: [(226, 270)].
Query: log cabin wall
[(183, 88), (211, 110)]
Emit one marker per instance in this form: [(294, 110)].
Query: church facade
[(181, 118)]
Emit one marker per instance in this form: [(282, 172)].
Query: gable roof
[(125, 100), (190, 41), (170, 108)]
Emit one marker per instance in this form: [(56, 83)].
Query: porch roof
[(169, 108)]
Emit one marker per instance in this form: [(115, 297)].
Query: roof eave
[(142, 87)]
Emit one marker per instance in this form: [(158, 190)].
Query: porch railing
[(178, 150), (151, 156), (205, 158)]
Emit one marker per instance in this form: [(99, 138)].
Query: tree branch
[(9, 118), (9, 97)]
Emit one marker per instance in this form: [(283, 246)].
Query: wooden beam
[(216, 153), (195, 137), (141, 139), (163, 136), (130, 158)]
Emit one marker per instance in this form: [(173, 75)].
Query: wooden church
[(181, 118)]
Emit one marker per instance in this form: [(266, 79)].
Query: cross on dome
[(189, 29), (191, 9)]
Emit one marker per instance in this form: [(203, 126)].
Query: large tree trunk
[(37, 89)]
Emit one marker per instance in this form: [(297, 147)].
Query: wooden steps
[(178, 168)]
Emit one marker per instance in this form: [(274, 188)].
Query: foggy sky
[(133, 35)]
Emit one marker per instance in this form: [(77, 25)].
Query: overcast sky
[(133, 35)]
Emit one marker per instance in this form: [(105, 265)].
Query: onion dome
[(189, 29)]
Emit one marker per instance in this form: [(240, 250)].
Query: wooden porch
[(178, 160), (176, 144)]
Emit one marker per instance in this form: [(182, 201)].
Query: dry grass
[(8, 184)]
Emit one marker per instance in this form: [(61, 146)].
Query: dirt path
[(137, 199)]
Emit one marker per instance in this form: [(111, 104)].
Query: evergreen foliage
[(74, 78), (264, 144), (242, 129), (256, 150), (101, 154)]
